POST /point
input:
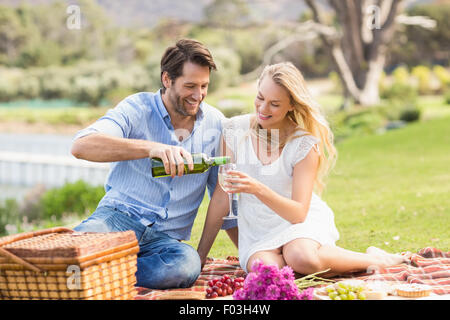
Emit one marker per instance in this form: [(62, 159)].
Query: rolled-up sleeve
[(116, 122), (101, 126)]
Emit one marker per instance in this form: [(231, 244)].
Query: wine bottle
[(201, 164)]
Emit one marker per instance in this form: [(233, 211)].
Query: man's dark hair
[(185, 50)]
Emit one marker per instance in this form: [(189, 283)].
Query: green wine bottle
[(201, 164)]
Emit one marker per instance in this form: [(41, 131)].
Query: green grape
[(333, 295), (337, 298), (342, 290), (351, 296), (330, 289), (343, 296), (361, 296), (342, 285)]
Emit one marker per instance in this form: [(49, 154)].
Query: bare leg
[(307, 256), (268, 257)]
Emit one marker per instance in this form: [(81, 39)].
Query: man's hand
[(172, 157)]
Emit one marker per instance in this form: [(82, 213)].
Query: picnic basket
[(59, 263)]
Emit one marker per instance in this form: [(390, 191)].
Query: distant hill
[(133, 13)]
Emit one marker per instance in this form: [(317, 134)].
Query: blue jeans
[(163, 262)]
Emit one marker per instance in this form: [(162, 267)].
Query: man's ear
[(167, 82)]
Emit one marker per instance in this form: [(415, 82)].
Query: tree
[(226, 13), (357, 35)]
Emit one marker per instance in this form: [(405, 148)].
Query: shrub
[(401, 75), (228, 66), (402, 93), (55, 83), (443, 75), (249, 49), (88, 89), (9, 82), (367, 121), (79, 198), (8, 215), (410, 114), (423, 76)]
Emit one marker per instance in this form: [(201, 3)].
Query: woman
[(283, 153)]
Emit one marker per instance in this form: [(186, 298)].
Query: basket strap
[(19, 260)]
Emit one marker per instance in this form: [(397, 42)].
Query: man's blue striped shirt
[(170, 203)]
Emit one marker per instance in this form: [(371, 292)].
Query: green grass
[(390, 191), (81, 116)]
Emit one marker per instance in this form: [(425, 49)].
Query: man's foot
[(386, 259)]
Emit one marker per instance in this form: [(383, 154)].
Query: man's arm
[(101, 147), (218, 208)]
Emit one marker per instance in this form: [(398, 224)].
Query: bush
[(228, 67), (55, 83), (401, 75), (8, 215), (400, 92), (360, 122), (249, 49), (88, 89), (423, 76), (443, 75), (79, 198), (410, 114), (9, 82), (367, 121)]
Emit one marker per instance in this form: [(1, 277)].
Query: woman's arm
[(293, 210)]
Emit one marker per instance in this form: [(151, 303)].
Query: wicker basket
[(60, 263)]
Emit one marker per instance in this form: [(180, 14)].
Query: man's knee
[(190, 267), (177, 268)]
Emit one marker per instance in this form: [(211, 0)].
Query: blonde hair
[(307, 115)]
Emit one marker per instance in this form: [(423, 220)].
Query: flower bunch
[(268, 282)]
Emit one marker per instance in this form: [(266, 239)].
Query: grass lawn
[(390, 191)]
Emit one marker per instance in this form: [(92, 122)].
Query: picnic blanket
[(429, 266), (214, 268)]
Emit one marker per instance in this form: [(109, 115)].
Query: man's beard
[(178, 104)]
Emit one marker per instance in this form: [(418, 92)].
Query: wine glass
[(232, 197)]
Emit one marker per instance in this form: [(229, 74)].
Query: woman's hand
[(238, 182)]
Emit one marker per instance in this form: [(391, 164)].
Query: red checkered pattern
[(214, 268), (429, 266)]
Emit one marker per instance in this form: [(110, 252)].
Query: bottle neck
[(217, 161)]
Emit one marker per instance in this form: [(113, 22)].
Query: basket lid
[(64, 243)]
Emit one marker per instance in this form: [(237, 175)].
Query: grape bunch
[(221, 287), (345, 291)]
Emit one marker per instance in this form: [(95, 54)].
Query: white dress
[(260, 228)]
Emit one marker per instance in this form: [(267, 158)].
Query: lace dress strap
[(304, 145)]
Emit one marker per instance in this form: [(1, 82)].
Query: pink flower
[(268, 282), (307, 294)]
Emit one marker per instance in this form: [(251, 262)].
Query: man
[(170, 124)]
